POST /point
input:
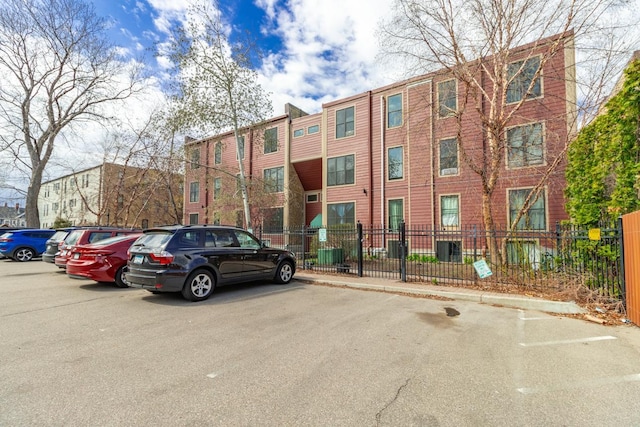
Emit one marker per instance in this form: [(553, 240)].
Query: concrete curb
[(559, 307)]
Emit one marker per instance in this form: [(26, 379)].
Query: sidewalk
[(454, 293)]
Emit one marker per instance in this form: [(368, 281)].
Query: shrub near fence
[(534, 259)]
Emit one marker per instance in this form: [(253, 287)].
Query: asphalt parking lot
[(79, 353)]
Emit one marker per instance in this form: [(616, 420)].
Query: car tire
[(119, 279), (284, 273), (199, 286), (23, 254)]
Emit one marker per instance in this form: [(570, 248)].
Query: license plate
[(137, 259), (76, 255)]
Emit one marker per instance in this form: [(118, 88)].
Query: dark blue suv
[(24, 245), (194, 259)]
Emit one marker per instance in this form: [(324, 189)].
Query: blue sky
[(313, 53)]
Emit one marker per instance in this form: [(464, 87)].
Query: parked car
[(86, 235), (24, 245), (53, 244), (102, 261), (194, 259)]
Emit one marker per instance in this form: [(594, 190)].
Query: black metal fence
[(526, 258)]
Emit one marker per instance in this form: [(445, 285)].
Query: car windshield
[(59, 235), (112, 240), (73, 237), (154, 239)]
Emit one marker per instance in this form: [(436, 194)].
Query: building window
[(193, 219), (274, 180), (396, 214), (273, 221), (340, 170), (217, 155), (298, 133), (447, 98), (240, 147), (449, 251), (313, 198), (345, 122), (525, 145), (194, 192), (523, 252), (270, 140), (448, 157), (394, 111), (395, 163), (55, 207), (217, 188), (313, 129), (72, 203), (521, 76), (534, 218), (341, 213), (195, 158), (449, 212)]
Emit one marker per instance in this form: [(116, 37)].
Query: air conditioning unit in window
[(449, 171)]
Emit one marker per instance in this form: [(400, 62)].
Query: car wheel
[(23, 254), (119, 278), (284, 273), (199, 286)]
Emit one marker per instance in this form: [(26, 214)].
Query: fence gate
[(631, 242)]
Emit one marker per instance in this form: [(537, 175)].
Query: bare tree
[(218, 89), (58, 69), (495, 48), (140, 177)]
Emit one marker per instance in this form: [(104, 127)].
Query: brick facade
[(401, 122)]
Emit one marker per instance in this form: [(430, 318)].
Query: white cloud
[(329, 51)]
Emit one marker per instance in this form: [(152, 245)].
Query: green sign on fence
[(482, 268)]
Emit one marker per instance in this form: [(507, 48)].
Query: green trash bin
[(330, 256)]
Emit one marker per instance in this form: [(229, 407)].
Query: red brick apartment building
[(389, 154)]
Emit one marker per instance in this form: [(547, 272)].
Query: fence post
[(623, 283), (360, 240), (304, 245), (403, 251), (475, 243)]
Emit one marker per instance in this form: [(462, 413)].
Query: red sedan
[(102, 261)]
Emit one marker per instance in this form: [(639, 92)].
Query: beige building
[(111, 194)]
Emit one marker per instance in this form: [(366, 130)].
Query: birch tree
[(217, 86), (476, 41), (58, 69)]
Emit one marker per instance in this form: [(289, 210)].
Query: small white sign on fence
[(482, 268), (322, 235)]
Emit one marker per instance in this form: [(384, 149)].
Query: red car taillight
[(162, 258), (7, 240)]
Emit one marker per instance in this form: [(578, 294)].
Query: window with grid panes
[(345, 122), (340, 170)]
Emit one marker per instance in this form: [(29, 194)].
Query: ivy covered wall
[(604, 161)]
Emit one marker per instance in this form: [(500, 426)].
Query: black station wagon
[(194, 259)]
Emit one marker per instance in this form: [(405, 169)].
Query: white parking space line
[(575, 341), (581, 384), (538, 318), (212, 375)]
